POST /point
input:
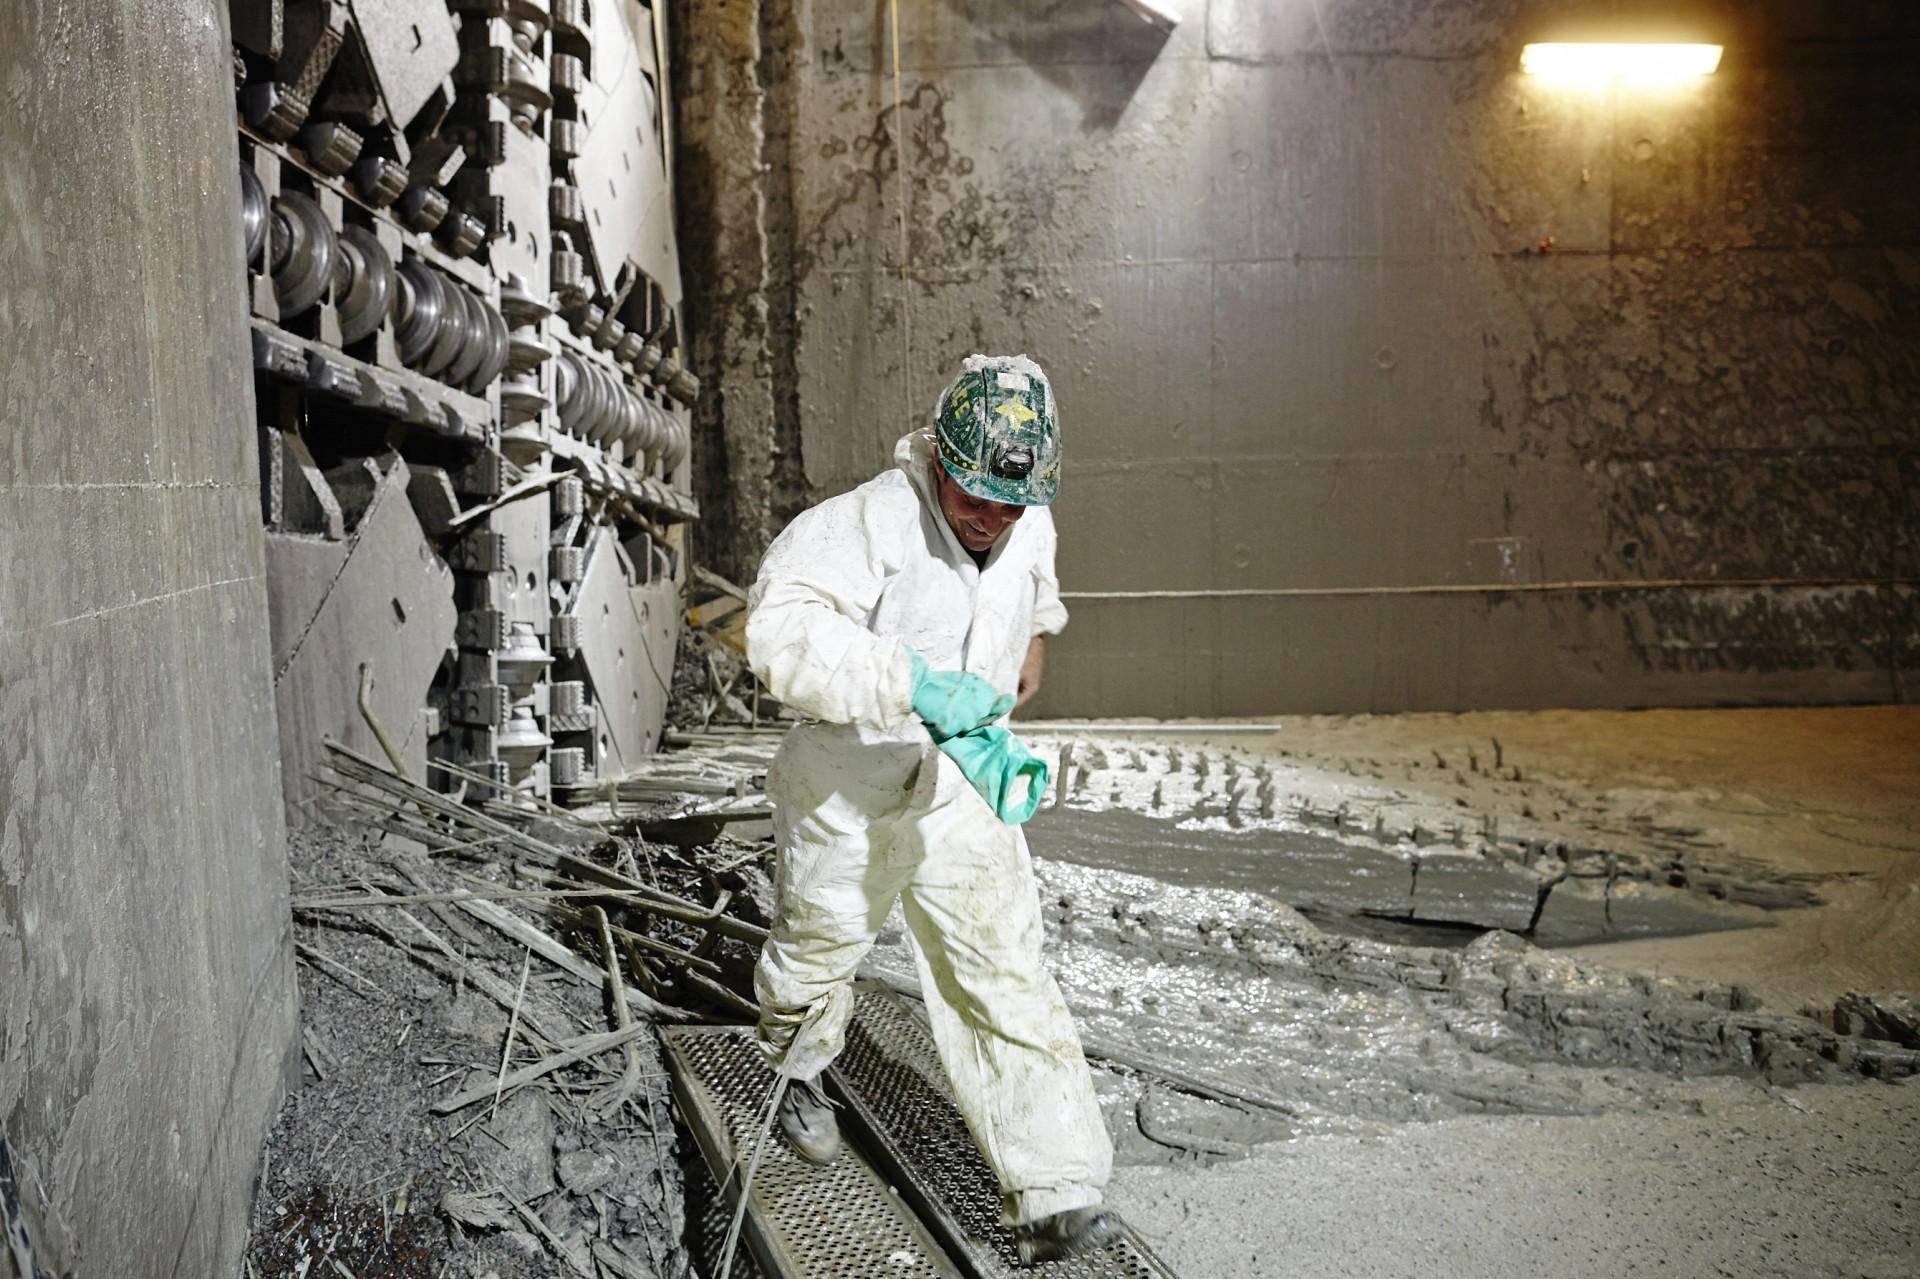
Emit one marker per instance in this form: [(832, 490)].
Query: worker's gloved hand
[(1005, 774), (951, 702)]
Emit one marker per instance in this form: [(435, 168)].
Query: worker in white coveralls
[(904, 620)]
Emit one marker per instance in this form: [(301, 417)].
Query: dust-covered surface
[(1817, 1183), (1659, 1165), (1402, 1082), (359, 1169), (711, 684), (146, 986), (1827, 797), (1171, 869)]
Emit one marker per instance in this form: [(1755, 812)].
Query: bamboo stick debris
[(462, 895), (444, 959), (357, 767), (663, 904), (629, 1083), (558, 954), (572, 1050), (653, 944), (707, 577)]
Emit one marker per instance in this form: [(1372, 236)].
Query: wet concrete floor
[(1466, 1100)]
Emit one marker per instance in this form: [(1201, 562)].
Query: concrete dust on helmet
[(999, 431)]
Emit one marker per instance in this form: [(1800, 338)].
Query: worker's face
[(978, 524)]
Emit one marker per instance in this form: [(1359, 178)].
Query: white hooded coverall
[(867, 810)]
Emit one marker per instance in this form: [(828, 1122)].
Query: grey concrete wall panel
[(411, 48), (728, 135), (622, 172), (146, 981), (1253, 31), (1322, 651), (1342, 309), (384, 601)]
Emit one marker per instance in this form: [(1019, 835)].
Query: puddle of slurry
[(1318, 874), (1397, 932)]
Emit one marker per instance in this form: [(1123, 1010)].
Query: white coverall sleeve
[(1049, 614), (807, 637)]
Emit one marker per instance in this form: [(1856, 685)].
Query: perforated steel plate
[(707, 1220), (897, 1093), (837, 1222)]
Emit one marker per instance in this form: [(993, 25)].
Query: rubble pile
[(481, 1079)]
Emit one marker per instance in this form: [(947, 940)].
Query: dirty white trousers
[(857, 828)]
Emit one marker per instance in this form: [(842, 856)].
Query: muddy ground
[(1568, 994), (1695, 1170)]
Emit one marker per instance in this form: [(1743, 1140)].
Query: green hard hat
[(999, 435)]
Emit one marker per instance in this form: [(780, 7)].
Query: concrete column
[(147, 1001)]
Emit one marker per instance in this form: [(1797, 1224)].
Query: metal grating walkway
[(837, 1222), (899, 1100), (846, 1220)]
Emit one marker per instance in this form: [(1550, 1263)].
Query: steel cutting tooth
[(451, 334), (634, 431), (253, 215), (648, 357), (566, 392), (494, 361), (302, 274), (369, 292), (473, 340), (675, 449), (656, 436), (684, 387), (423, 303)]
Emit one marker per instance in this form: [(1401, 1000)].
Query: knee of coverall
[(973, 887)]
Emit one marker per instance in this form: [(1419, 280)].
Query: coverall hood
[(917, 453)]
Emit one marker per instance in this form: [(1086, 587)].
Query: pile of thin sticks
[(578, 891), (575, 887), (604, 905)]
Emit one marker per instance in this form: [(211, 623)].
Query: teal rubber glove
[(1003, 771), (951, 702)]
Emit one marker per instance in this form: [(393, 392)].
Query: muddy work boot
[(1066, 1234), (806, 1116)]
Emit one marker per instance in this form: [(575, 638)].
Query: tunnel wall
[(1396, 380), (146, 983)]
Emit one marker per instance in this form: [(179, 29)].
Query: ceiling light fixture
[(1598, 63)]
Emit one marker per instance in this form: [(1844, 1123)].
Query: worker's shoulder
[(888, 496)]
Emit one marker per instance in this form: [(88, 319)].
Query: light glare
[(1591, 63)]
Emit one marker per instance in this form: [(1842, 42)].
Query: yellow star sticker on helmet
[(1017, 412)]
